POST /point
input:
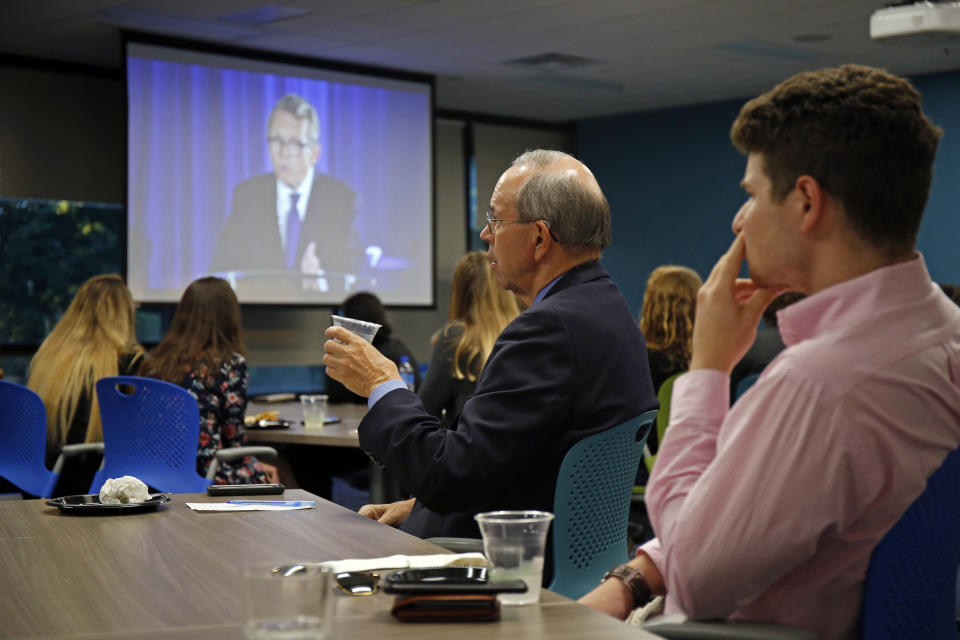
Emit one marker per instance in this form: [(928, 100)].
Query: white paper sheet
[(222, 506), (405, 562)]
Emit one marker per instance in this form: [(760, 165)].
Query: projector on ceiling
[(917, 24)]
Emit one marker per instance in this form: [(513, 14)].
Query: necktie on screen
[(293, 230)]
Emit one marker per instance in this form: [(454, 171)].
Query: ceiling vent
[(551, 61)]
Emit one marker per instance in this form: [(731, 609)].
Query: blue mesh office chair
[(151, 430), (911, 584), (23, 441), (592, 504)]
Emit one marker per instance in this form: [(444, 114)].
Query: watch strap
[(633, 580)]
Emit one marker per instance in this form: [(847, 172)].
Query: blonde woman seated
[(669, 306), (479, 310), (203, 352), (94, 338)]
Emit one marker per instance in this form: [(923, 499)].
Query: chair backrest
[(592, 505), (910, 588), (745, 383), (23, 440), (664, 394), (151, 430)]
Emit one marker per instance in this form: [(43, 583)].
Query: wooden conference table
[(175, 573), (339, 434)]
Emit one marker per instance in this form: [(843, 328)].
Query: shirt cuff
[(383, 389), (655, 552)]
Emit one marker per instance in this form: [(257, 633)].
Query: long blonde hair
[(483, 309), (97, 328), (669, 306)]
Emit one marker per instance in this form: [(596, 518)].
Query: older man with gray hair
[(571, 365)]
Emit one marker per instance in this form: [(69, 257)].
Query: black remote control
[(244, 489)]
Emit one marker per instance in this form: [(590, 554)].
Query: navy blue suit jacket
[(569, 366)]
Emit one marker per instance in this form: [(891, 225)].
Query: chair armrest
[(237, 453), (72, 450), (459, 545), (676, 627)]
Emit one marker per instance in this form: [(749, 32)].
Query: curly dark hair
[(861, 133)]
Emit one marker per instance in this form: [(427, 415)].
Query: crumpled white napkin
[(405, 562), (124, 490)]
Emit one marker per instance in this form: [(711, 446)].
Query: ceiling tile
[(650, 53)]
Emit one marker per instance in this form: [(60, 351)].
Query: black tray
[(90, 505)]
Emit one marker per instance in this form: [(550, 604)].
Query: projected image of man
[(295, 217)]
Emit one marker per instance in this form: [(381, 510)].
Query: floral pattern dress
[(222, 397)]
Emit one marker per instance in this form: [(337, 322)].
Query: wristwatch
[(632, 580)]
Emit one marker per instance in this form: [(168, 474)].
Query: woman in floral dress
[(203, 353)]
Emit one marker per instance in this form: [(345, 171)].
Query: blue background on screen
[(195, 132)]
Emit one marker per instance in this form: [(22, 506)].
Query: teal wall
[(939, 238), (672, 178)]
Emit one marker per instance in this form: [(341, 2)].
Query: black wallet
[(447, 607)]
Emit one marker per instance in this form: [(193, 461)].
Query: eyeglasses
[(358, 583), (493, 228), (287, 147)]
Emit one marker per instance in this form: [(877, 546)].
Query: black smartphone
[(244, 489), (448, 580)]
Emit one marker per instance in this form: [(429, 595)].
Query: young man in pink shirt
[(768, 511)]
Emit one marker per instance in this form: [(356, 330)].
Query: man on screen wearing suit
[(571, 365), (293, 218)]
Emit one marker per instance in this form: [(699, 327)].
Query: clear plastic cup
[(314, 411), (514, 543), (295, 606), (365, 330)]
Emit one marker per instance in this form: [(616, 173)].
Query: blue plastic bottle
[(406, 373)]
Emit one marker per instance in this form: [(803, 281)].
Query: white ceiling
[(649, 53)]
